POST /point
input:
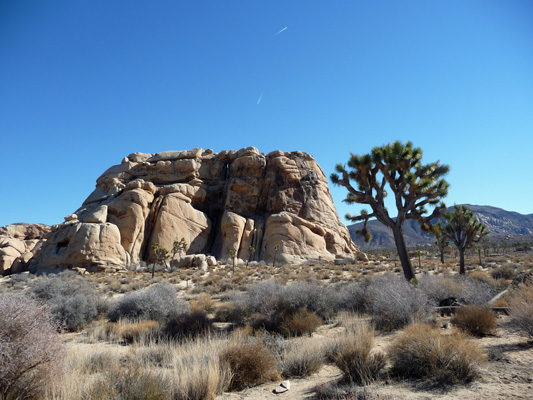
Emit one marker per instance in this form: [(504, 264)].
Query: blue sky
[(85, 83)]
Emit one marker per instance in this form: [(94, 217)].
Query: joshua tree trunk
[(402, 253), (461, 261), (442, 256)]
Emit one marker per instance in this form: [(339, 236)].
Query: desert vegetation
[(192, 334)]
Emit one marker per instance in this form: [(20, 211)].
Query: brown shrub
[(353, 356), (521, 310), (302, 322), (138, 331), (422, 352), (477, 321), (250, 363)]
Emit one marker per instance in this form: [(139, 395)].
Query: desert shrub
[(187, 325), (72, 301), (485, 278), (349, 297), (521, 310), (477, 321), (336, 391), (438, 287), (302, 358), (298, 323), (475, 292), (422, 352), (203, 303), (504, 272), (31, 351), (319, 298), (353, 356), (156, 303), (393, 302), (138, 332), (250, 362), (130, 383)]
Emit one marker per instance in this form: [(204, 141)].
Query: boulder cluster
[(255, 206)]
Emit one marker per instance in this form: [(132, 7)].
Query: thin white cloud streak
[(282, 30), (260, 97)]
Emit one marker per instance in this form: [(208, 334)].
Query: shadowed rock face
[(217, 202)]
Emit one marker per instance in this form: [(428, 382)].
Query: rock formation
[(18, 244), (233, 200)]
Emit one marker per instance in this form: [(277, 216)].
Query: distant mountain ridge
[(502, 225)]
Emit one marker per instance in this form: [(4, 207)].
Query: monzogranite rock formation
[(233, 200), (18, 245)]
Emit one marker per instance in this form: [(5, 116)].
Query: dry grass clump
[(423, 352), (521, 310), (250, 362), (477, 321), (336, 391), (354, 357), (302, 358), (31, 351), (299, 323), (137, 332), (130, 383), (199, 372)]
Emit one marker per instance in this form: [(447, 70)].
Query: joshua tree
[(251, 251), (161, 255), (276, 249), (233, 254), (179, 247), (464, 230), (441, 240), (413, 186)]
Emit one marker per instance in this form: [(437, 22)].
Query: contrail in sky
[(276, 34), (260, 97)]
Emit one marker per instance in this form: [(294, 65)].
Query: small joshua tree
[(233, 254), (251, 251), (276, 249), (414, 186), (464, 230), (441, 241), (179, 247), (161, 256)]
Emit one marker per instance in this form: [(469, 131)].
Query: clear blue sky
[(85, 83)]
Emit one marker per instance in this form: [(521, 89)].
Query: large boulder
[(18, 244), (242, 200)]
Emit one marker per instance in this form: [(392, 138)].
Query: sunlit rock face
[(279, 204), (18, 245)]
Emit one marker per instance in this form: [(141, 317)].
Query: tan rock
[(176, 218), (216, 202), (83, 244), (232, 227)]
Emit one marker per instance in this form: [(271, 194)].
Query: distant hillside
[(502, 225)]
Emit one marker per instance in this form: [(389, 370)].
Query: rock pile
[(277, 204), (18, 245)]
